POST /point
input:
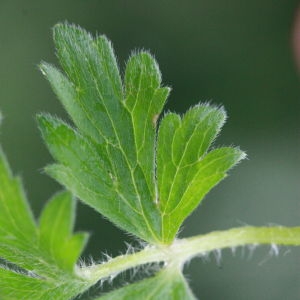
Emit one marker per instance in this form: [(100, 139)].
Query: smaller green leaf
[(40, 259), (56, 226), (168, 284)]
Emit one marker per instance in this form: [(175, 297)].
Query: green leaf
[(39, 260), (185, 172), (112, 167), (18, 231), (56, 238), (168, 284), (114, 160)]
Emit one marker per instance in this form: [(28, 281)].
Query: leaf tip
[(239, 155), (65, 30), (44, 68), (42, 120)]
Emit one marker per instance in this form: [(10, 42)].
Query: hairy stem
[(182, 250)]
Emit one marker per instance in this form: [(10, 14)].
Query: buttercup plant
[(144, 171)]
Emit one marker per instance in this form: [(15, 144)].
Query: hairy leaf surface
[(145, 178), (38, 260)]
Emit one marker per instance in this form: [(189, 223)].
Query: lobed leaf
[(144, 179)]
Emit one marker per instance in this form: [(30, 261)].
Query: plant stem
[(182, 250)]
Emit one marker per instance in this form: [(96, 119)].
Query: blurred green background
[(236, 53)]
